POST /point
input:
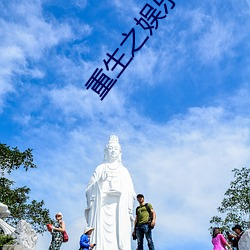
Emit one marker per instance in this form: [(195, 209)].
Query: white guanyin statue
[(110, 197)]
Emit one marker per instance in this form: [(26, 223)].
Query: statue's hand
[(90, 202), (132, 217), (104, 176)]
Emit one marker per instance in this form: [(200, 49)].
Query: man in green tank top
[(144, 223)]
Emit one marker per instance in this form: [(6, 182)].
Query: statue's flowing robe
[(110, 197)]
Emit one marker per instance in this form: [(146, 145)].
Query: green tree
[(235, 207), (17, 199)]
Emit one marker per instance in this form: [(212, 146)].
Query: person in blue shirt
[(84, 240)]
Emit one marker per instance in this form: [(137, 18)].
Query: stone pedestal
[(13, 247)]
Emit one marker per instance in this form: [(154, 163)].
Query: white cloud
[(127, 11), (84, 103), (25, 35), (217, 42), (32, 33), (205, 33), (80, 3)]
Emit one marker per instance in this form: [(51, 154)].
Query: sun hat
[(59, 213), (87, 229)]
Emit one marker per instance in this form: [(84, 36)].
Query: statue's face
[(113, 150)]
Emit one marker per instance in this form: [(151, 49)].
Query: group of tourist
[(57, 236), (143, 225), (219, 242)]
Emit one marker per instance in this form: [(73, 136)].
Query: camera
[(134, 235)]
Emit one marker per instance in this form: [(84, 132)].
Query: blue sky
[(180, 109)]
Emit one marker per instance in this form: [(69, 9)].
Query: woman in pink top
[(218, 240)]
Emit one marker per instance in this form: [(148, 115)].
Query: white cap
[(59, 213)]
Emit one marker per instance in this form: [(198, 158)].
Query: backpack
[(149, 212)]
